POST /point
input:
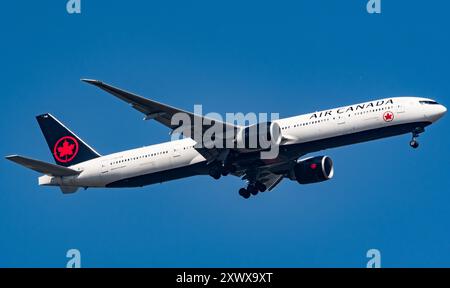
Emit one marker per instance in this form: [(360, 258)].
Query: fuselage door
[(176, 152), (104, 169)]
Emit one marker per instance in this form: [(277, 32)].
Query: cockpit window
[(428, 102)]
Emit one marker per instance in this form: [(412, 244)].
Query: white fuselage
[(320, 125)]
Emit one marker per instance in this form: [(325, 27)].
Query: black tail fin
[(67, 149)]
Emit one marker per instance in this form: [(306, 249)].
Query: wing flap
[(272, 181)]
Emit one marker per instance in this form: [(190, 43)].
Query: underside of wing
[(270, 175), (271, 180)]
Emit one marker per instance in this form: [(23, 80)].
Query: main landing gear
[(252, 189), (221, 170), (415, 133), (215, 173)]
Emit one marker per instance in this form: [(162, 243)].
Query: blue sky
[(231, 56)]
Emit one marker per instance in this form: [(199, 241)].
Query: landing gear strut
[(414, 143)]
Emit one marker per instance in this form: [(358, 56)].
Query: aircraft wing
[(270, 180), (264, 176), (158, 111), (43, 167), (163, 114), (268, 174)]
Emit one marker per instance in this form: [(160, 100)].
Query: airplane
[(78, 165)]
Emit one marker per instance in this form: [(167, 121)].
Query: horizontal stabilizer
[(42, 167)]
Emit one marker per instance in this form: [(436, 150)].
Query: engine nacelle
[(313, 170), (259, 136)]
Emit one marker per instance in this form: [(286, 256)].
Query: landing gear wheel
[(415, 133), (215, 173), (225, 171), (252, 189), (244, 193), (261, 187), (414, 144)]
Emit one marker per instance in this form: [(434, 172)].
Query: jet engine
[(313, 170), (259, 136)]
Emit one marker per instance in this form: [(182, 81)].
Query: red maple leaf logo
[(388, 116), (66, 149)]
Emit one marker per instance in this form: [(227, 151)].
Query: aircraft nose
[(438, 112), (442, 111)]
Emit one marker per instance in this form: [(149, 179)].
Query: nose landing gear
[(414, 144), (415, 133)]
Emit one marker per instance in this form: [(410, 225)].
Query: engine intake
[(259, 136), (313, 170)]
